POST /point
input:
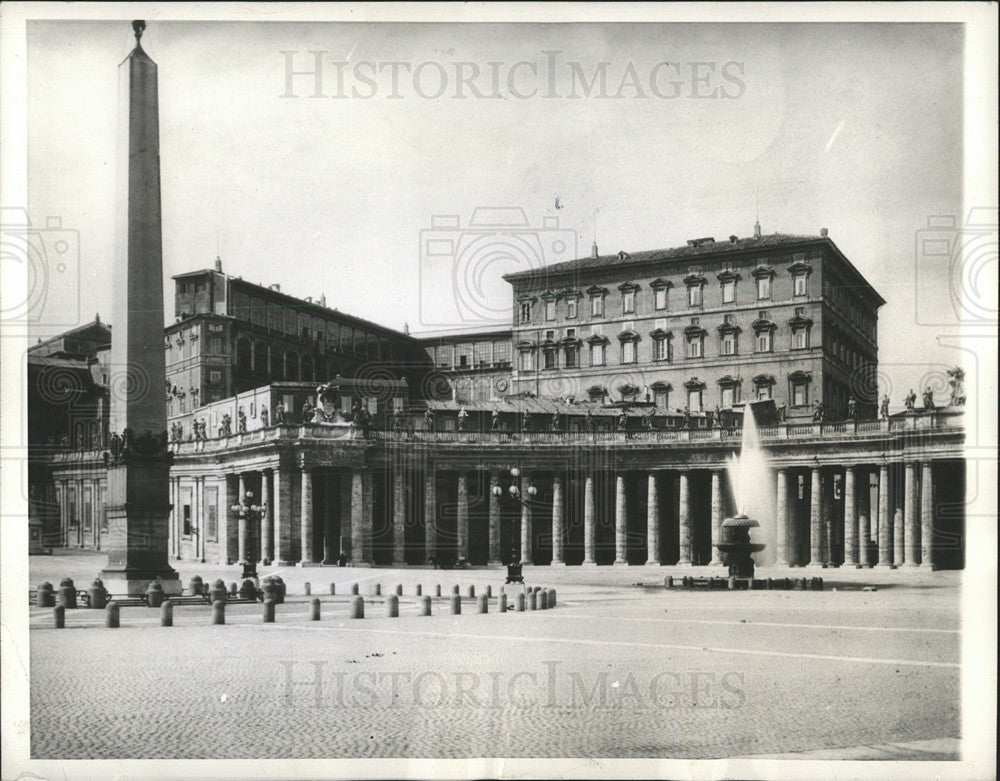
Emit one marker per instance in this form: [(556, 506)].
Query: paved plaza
[(615, 670)]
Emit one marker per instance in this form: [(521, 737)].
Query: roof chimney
[(622, 254), (275, 286), (406, 328), (824, 232), (309, 299), (733, 239), (593, 250), (756, 229), (97, 317), (218, 264)]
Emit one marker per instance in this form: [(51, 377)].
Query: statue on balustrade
[(308, 411), (852, 408), (647, 419), (910, 402), (263, 417), (241, 420), (883, 409), (622, 421), (226, 427), (928, 399), (819, 411), (429, 419), (279, 414), (495, 420), (956, 378), (463, 419), (555, 422)]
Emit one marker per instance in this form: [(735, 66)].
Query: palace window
[(527, 361), (694, 295), (660, 298), (525, 311), (661, 349), (549, 358), (597, 306), (799, 382), (571, 308), (550, 309), (800, 338), (728, 397), (570, 356), (694, 399), (694, 345), (628, 351), (661, 396), (729, 344), (763, 288), (597, 357), (628, 302), (799, 282), (765, 342)]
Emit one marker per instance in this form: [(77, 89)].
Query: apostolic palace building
[(594, 428)]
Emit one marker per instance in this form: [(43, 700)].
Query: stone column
[(781, 519), (911, 535), (558, 520), (360, 526), (926, 515), (526, 549), (815, 519), (588, 520), (898, 537), (716, 516), (652, 521), (282, 516), (308, 544), (850, 518), (884, 521), (621, 521), (430, 514), (863, 493), (266, 519), (826, 510), (684, 522), (398, 517), (242, 520), (331, 545), (368, 494), (462, 524), (494, 520)]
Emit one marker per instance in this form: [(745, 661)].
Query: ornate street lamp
[(513, 489), (247, 512)]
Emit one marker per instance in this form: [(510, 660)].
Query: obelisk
[(138, 504)]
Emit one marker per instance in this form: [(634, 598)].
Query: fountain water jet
[(753, 485)]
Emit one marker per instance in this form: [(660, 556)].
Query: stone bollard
[(354, 589), (768, 583), (520, 602), (455, 590), (248, 590), (668, 581), (484, 604), (472, 592), (392, 606), (357, 607), (98, 595), (219, 612), (333, 589), (314, 610), (217, 595), (167, 613), (378, 589), (489, 591), (732, 583), (552, 597), (59, 616), (268, 611), (420, 590), (233, 589), (154, 595), (271, 591), (804, 584), (307, 588), (45, 596), (111, 615), (282, 588), (67, 593), (543, 599), (456, 604), (531, 601), (503, 603), (425, 606), (399, 589), (196, 585), (437, 590)]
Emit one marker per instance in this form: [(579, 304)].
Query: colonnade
[(858, 515)]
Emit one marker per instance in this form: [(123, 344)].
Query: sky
[(699, 130)]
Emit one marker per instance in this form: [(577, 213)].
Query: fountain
[(737, 546)]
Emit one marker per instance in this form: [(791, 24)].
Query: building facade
[(701, 327)]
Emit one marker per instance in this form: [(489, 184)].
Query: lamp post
[(246, 512), (514, 493)]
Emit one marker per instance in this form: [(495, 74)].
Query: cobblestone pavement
[(614, 670)]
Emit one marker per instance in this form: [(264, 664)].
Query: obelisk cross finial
[(137, 27)]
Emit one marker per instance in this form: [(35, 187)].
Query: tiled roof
[(63, 363), (687, 252)]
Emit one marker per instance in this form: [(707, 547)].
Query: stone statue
[(819, 411), (463, 419), (928, 398), (622, 421), (910, 402), (647, 419), (429, 419), (525, 421), (852, 408), (279, 414), (263, 417), (308, 411), (495, 420), (884, 406), (241, 420), (555, 421), (226, 429), (956, 378)]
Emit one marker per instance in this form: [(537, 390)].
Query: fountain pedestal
[(736, 546)]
